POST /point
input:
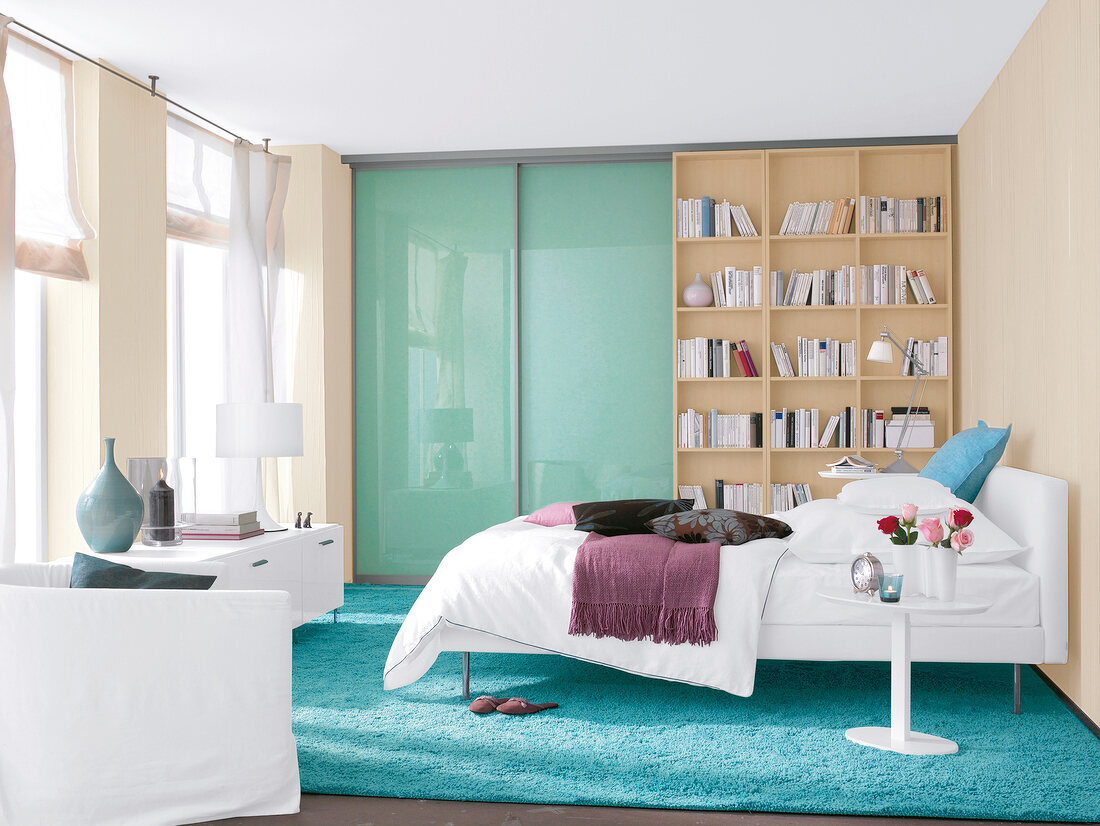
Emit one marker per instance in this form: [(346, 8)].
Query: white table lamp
[(881, 352), (254, 430)]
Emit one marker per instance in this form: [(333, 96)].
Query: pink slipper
[(518, 705), (485, 704)]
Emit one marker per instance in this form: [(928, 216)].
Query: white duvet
[(514, 580)]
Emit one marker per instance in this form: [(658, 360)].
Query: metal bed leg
[(1015, 688), (334, 620), (465, 675)]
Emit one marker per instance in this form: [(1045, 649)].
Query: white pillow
[(991, 544), (829, 531), (884, 494), (826, 530)]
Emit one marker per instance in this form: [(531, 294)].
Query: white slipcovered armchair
[(142, 706)]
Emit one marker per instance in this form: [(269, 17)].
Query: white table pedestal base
[(880, 737)]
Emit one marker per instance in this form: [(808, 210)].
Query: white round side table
[(899, 736)]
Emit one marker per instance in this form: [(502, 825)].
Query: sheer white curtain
[(252, 304), (7, 314)]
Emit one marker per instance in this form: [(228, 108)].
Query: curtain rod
[(151, 88)]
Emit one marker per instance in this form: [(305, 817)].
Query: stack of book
[(877, 214), (706, 218), (852, 466), (737, 288), (816, 358), (823, 218), (819, 288), (789, 495), (221, 526), (713, 358), (888, 283)]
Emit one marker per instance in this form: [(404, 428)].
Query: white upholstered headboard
[(1034, 510)]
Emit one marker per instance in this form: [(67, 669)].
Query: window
[(49, 228), (199, 172)]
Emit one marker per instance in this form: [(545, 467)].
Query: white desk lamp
[(880, 352), (252, 430)]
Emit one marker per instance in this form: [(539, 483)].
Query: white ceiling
[(433, 75)]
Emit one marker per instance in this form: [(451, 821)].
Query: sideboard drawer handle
[(259, 562), (327, 541)]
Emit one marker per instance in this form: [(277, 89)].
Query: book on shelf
[(816, 288), (879, 214), (706, 218), (931, 353), (821, 218), (786, 496), (241, 518), (816, 358), (801, 428), (746, 497), (713, 358), (721, 430), (853, 465), (695, 493), (919, 413), (732, 287)]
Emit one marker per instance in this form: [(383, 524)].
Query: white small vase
[(908, 559), (943, 567), (698, 293)]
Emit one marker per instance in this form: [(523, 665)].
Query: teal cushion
[(93, 572), (966, 459)]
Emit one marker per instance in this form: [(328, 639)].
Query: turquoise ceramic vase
[(109, 510)]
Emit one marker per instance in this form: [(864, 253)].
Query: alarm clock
[(866, 574)]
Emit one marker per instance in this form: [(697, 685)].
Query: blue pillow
[(966, 459), (93, 572)]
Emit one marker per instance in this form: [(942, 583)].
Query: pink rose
[(959, 518), (962, 540), (932, 530), (908, 514)]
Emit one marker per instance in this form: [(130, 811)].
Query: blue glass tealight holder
[(890, 587)]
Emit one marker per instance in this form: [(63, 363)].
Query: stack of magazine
[(853, 466)]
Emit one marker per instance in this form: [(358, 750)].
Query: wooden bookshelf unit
[(766, 182)]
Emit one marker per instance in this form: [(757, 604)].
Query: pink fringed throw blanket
[(644, 586)]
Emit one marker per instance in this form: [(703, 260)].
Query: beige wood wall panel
[(317, 219), (1028, 295), (339, 348), (105, 338), (133, 382)]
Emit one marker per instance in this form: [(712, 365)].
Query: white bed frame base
[(1029, 507)]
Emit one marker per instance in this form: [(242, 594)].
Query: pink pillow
[(560, 513)]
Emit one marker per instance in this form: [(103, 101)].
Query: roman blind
[(199, 168), (49, 223)]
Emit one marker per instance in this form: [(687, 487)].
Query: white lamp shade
[(247, 430), (880, 351)]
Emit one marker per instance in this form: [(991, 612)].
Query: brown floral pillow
[(718, 525)]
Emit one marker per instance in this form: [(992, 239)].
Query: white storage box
[(922, 433)]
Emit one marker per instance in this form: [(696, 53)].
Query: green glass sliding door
[(595, 322), (434, 362)]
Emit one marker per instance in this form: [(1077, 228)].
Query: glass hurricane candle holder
[(890, 588)]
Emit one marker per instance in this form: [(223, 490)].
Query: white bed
[(517, 602)]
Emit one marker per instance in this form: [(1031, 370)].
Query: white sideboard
[(308, 563)]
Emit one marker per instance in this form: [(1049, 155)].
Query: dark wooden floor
[(333, 810)]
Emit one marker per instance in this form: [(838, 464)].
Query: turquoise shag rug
[(622, 740)]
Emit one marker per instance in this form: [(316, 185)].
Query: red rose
[(888, 524), (961, 518)]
